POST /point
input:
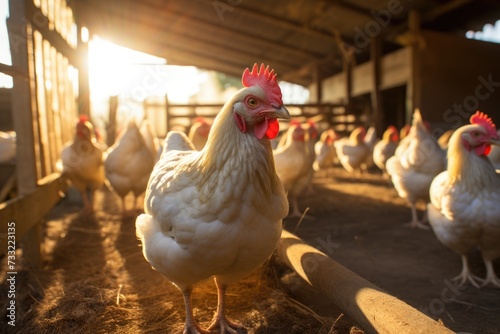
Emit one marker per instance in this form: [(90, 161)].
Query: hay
[(95, 280)]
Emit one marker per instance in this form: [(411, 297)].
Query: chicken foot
[(415, 223), (295, 212), (491, 277), (220, 321), (466, 275), (191, 327), (88, 202)]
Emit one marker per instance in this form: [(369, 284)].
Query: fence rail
[(167, 116)]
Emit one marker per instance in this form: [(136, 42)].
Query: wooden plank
[(44, 25), (318, 84), (49, 116), (414, 88), (59, 105), (41, 105), (376, 97), (111, 125), (12, 71), (395, 69), (361, 79), (27, 210), (22, 112), (83, 76), (368, 305)]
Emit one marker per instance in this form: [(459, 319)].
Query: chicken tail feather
[(178, 141)]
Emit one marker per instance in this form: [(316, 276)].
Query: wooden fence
[(166, 116), (43, 42)]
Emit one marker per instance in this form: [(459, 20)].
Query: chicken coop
[(364, 63)]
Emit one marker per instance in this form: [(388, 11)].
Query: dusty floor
[(95, 280)]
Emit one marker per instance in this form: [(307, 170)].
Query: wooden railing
[(167, 116), (44, 109)]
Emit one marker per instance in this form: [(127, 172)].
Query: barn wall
[(455, 75), (395, 71)]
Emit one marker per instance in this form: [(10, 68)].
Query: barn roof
[(299, 39)]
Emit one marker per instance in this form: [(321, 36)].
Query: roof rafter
[(147, 10)]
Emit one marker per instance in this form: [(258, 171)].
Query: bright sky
[(115, 70), (5, 80)]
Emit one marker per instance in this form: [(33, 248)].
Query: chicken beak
[(495, 141), (279, 112)]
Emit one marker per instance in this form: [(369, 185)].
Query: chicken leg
[(88, 207), (491, 277), (220, 321), (466, 275), (191, 327), (415, 223)]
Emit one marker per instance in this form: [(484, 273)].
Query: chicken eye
[(252, 102)]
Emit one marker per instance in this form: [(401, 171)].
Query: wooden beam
[(318, 82), (376, 96), (443, 9), (351, 7), (286, 24), (26, 173), (160, 14), (372, 308), (13, 72), (111, 127), (430, 15), (347, 68), (83, 75), (26, 210), (169, 43), (414, 87), (41, 23)]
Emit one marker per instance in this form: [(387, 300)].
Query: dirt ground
[(94, 278)]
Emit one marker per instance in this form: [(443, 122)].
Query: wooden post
[(348, 65), (373, 309), (83, 75), (19, 36), (111, 125), (167, 115), (376, 99), (317, 81), (414, 83)]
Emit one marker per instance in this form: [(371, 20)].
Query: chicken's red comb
[(265, 79), (482, 119), (200, 119), (294, 122), (83, 118), (311, 123)]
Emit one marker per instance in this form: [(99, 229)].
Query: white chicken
[(312, 137), (218, 212), (198, 133), (494, 155), (150, 138), (417, 160), (353, 151), (386, 148), (82, 162), (292, 164), (325, 151), (128, 163), (7, 146), (371, 140), (465, 199), (444, 139)]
